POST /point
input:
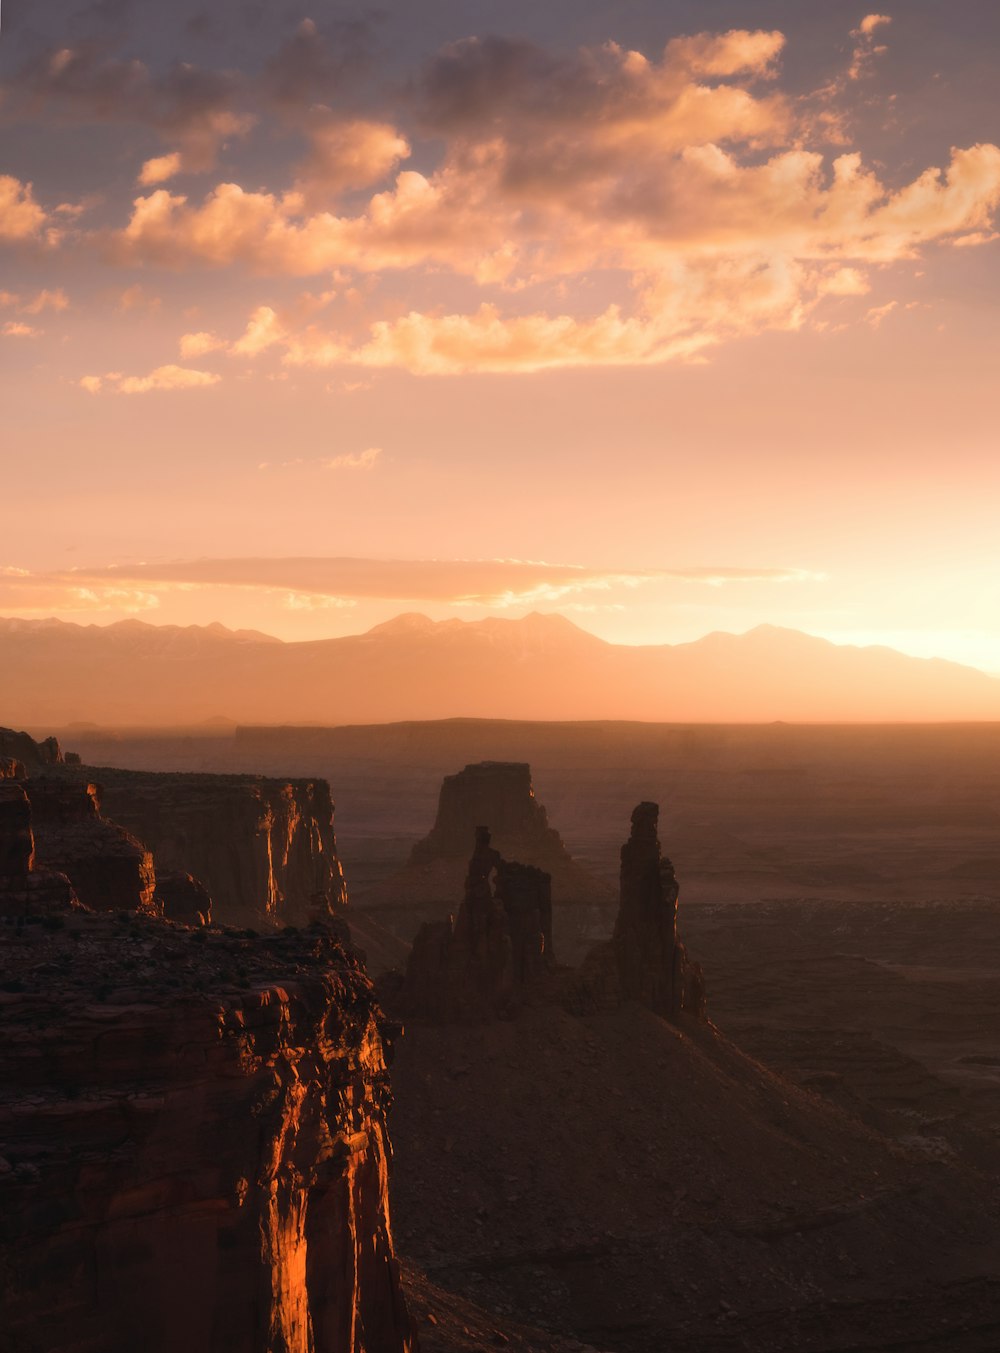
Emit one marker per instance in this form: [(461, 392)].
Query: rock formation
[(500, 793), (109, 869), (180, 897), (645, 960), (487, 959), (193, 1145), (497, 792), (653, 967), (496, 952), (25, 888), (21, 747), (263, 848)]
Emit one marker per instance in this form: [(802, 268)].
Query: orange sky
[(683, 330)]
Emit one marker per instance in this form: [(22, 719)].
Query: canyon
[(603, 1137)]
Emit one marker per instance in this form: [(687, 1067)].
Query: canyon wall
[(193, 1145), (263, 848)]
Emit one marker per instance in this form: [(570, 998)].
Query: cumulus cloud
[(700, 196), (197, 344), (263, 330), (168, 377), (346, 154), (21, 218), (16, 329), (195, 109), (496, 582), (161, 168)]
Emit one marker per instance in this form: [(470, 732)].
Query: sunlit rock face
[(193, 1144), (263, 848), (487, 959)]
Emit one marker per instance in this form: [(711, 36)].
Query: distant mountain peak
[(410, 622)]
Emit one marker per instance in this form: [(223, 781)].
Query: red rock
[(200, 1163)]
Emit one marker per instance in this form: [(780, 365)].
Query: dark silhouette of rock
[(180, 897), (500, 793), (110, 870), (30, 753), (487, 959), (264, 849), (645, 960), (193, 1144), (17, 843)]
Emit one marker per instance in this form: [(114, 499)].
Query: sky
[(669, 316)]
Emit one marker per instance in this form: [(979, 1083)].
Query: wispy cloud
[(349, 460), (500, 583), (168, 377)]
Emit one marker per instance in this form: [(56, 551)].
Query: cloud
[(136, 297), (686, 180), (723, 54), (878, 313), (346, 154), (353, 460), (168, 377), (313, 66), (46, 300), (161, 168), (197, 110), (25, 593), (867, 46), (21, 218), (15, 329), (870, 22), (496, 582), (197, 344), (263, 330), (362, 460), (683, 187)]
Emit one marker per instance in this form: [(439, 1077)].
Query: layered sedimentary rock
[(645, 960), (110, 870), (193, 1145), (263, 848), (485, 960)]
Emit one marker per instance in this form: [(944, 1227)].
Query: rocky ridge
[(193, 1142), (264, 848)]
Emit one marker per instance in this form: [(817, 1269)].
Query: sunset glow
[(670, 318)]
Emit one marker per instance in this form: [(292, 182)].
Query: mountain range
[(53, 673)]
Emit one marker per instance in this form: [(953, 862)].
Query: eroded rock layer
[(110, 869), (263, 848), (193, 1145)]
